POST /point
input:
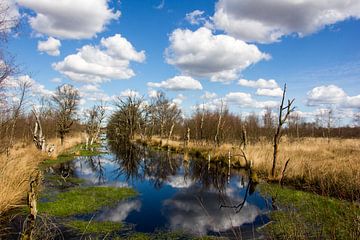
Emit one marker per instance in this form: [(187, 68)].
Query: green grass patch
[(84, 200), (304, 215), (94, 226)]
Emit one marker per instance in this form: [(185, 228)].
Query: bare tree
[(166, 114), (95, 118), (284, 112), (124, 122), (66, 99), (23, 88)]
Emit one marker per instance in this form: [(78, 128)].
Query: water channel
[(176, 193)]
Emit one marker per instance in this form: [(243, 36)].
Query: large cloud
[(178, 83), (70, 19), (332, 95), (203, 54), (96, 64), (267, 21)]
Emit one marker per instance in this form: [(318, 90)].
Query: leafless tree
[(284, 112), (124, 122), (166, 114), (66, 99), (22, 91), (95, 118)]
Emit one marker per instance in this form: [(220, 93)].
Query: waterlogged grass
[(69, 155), (84, 200), (303, 215), (94, 227)]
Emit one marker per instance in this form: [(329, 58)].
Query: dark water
[(175, 193)]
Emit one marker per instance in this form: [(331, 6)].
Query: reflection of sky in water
[(198, 212), (176, 200)]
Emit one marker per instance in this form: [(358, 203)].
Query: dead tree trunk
[(170, 133), (202, 123), (217, 141), (281, 120), (38, 136), (27, 233), (187, 137), (244, 136)]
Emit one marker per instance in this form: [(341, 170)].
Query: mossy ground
[(80, 200), (303, 215), (94, 227)]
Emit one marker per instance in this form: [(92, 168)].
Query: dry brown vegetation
[(16, 169), (316, 165)]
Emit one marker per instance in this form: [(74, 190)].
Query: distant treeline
[(162, 118)]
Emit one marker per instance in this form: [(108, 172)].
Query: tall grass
[(16, 170), (327, 168)]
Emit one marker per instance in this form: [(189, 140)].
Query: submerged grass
[(303, 215), (94, 226), (70, 154), (84, 200)]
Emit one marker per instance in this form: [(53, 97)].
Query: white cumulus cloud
[(70, 19), (332, 95), (178, 83), (96, 64), (245, 100), (50, 46), (260, 83), (267, 21), (276, 92), (220, 57)]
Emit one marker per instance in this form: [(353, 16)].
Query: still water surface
[(176, 192)]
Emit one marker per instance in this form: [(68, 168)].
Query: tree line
[(161, 117)]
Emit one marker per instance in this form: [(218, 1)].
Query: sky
[(240, 52)]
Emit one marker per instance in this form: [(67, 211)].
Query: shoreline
[(315, 165)]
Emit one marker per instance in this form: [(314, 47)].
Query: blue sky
[(188, 48)]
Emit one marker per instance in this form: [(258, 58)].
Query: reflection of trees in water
[(97, 167), (136, 162), (128, 158), (160, 166), (213, 176)]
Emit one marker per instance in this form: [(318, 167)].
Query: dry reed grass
[(327, 168), (16, 170)]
